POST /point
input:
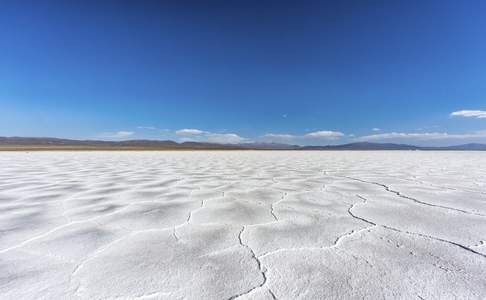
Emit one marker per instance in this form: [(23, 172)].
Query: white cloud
[(376, 129), (116, 135), (124, 133), (325, 134), (301, 139), (423, 136), (197, 135), (278, 138), (480, 114), (147, 127), (189, 132)]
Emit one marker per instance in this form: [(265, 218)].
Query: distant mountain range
[(31, 143), (391, 146)]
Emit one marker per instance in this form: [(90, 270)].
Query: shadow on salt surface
[(28, 221), (75, 242)]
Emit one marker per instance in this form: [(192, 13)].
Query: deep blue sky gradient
[(84, 69)]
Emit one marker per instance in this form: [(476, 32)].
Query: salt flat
[(243, 225)]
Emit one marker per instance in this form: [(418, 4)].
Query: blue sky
[(304, 72)]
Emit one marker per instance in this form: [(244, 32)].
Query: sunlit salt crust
[(243, 224)]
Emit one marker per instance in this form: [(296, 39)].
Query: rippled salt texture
[(247, 225)]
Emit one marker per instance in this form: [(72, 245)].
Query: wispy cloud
[(375, 129), (301, 139), (225, 138), (423, 136), (325, 134), (147, 127), (197, 135), (479, 114), (190, 132), (116, 135)]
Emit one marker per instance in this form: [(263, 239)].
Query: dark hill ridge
[(53, 143), (41, 143), (471, 146), (363, 146), (391, 146)]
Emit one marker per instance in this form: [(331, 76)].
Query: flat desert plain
[(243, 225)]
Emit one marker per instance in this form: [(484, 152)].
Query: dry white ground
[(245, 225)]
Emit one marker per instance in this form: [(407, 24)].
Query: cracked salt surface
[(243, 225)]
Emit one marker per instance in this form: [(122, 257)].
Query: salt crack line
[(416, 233), (349, 234), (334, 245), (272, 206), (187, 222), (466, 190), (338, 240), (131, 233), (110, 244), (410, 198), (263, 272), (92, 220), (358, 217), (93, 256), (435, 238)]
